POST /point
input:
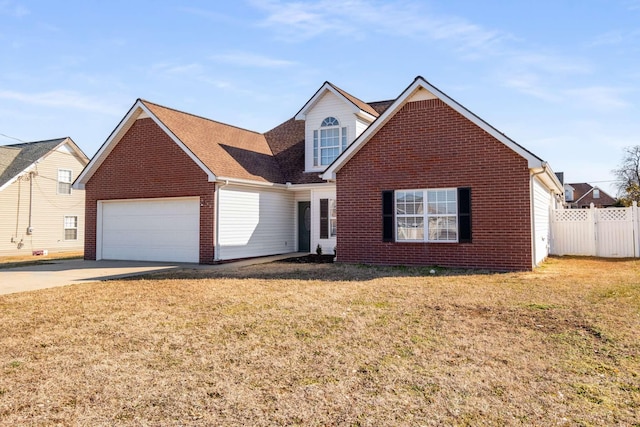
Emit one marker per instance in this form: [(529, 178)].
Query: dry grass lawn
[(22, 260), (312, 345)]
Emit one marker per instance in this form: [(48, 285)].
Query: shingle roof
[(580, 189), (16, 158), (228, 151), (360, 104), (287, 143), (381, 106), (583, 195)]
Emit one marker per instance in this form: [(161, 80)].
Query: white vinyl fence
[(608, 232)]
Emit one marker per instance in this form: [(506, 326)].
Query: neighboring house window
[(328, 218), (568, 195), (427, 215), (596, 193), (64, 181), (328, 142), (70, 228)]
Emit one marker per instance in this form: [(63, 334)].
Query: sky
[(560, 77)]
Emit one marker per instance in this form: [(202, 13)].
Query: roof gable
[(584, 193), (15, 159), (420, 89), (222, 151), (357, 106)]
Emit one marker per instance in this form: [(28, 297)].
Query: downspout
[(31, 176), (532, 209), (216, 256)]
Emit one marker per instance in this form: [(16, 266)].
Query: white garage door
[(150, 230)]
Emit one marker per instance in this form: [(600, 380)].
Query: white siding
[(329, 105), (47, 212), (542, 204), (327, 244), (254, 222), (361, 126)]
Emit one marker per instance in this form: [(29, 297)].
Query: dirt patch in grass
[(309, 259), (328, 344)]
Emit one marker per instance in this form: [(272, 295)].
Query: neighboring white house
[(38, 208)]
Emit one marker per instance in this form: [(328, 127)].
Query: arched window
[(328, 141)]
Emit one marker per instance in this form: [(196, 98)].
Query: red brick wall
[(429, 145), (146, 163)]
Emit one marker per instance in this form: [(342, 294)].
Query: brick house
[(418, 180), (581, 194)]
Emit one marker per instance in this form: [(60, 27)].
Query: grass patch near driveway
[(25, 260), (329, 344)]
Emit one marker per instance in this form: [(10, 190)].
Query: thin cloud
[(531, 84), (245, 59), (549, 63), (633, 4), (616, 37), (60, 98), (600, 98), (13, 9), (207, 14), (299, 21), (193, 71)]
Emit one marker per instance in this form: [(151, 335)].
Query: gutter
[(249, 182)]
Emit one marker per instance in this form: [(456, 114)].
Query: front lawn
[(29, 259), (329, 344)]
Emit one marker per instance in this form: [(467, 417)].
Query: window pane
[(330, 121), (64, 175), (443, 228), (315, 148), (70, 227), (411, 228), (70, 222), (64, 188)]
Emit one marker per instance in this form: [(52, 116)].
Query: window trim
[(326, 219), (65, 228), (59, 181), (333, 218), (463, 215), (329, 123)]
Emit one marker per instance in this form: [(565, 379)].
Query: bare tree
[(628, 175)]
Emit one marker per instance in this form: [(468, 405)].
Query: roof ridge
[(144, 101), (354, 99), (36, 142)]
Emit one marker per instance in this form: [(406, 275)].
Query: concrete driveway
[(67, 272)]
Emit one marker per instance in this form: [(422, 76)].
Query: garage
[(149, 230)]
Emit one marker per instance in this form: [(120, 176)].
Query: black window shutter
[(324, 218), (464, 215), (387, 216)]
